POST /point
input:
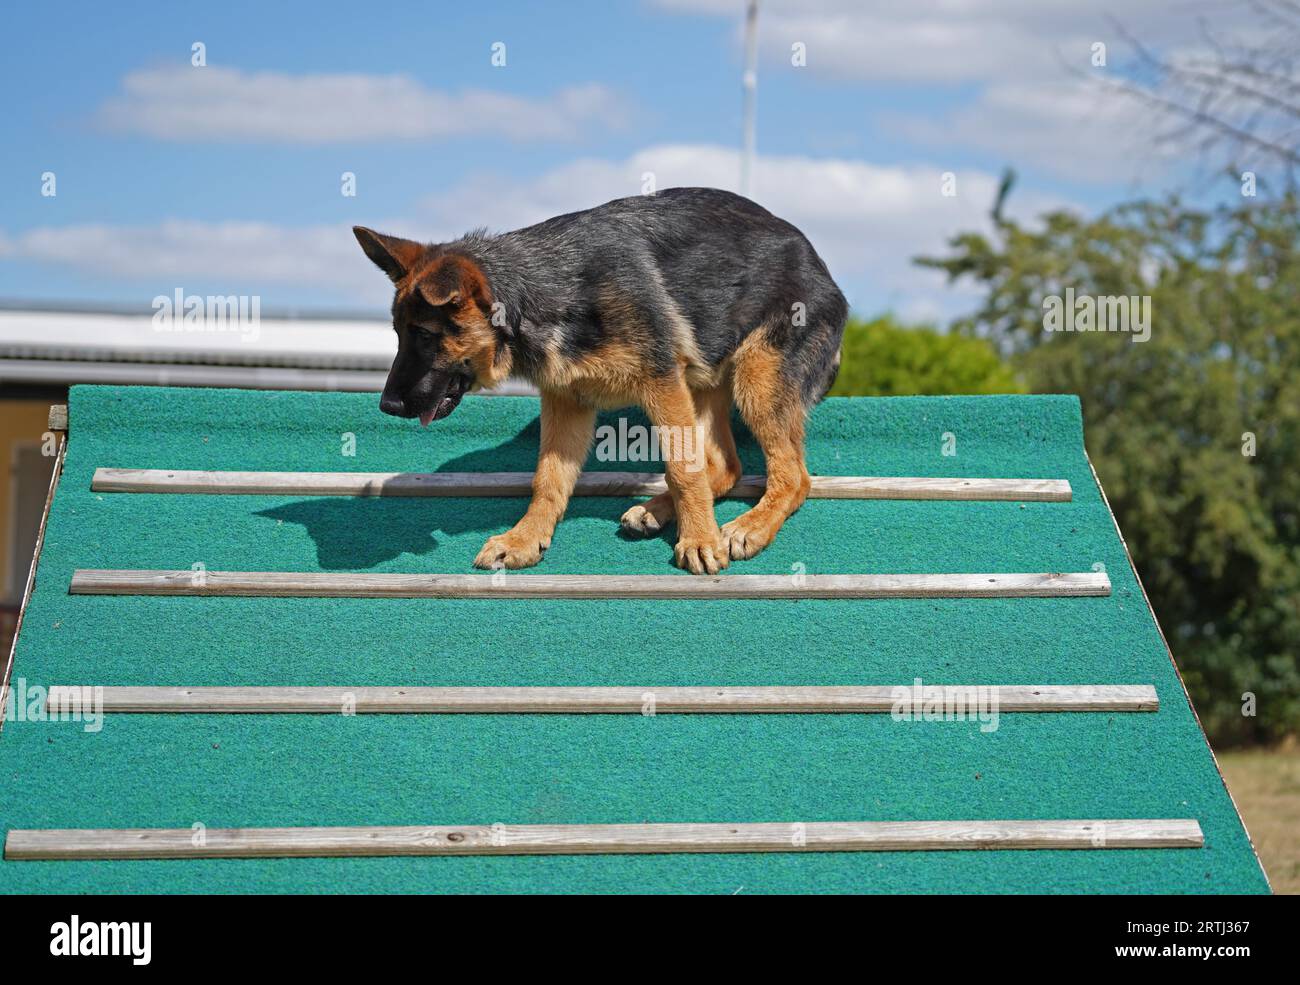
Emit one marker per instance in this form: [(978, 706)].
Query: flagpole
[(750, 84)]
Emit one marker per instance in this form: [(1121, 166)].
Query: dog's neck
[(527, 309)]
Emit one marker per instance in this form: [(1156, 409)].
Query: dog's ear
[(456, 280), (392, 255)]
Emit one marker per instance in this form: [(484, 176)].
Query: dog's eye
[(426, 332)]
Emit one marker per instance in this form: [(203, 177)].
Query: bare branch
[(1206, 118), (1231, 96)]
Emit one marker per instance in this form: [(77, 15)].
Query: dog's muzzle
[(439, 399)]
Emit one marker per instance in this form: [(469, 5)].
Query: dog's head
[(442, 312)]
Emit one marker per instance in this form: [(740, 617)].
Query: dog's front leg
[(700, 548), (566, 436)]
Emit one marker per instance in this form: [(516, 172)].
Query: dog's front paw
[(701, 555), (511, 550)]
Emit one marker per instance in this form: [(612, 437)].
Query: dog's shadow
[(353, 533)]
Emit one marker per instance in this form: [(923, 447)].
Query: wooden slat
[(599, 839), (608, 700), (329, 584), (58, 420), (520, 484)]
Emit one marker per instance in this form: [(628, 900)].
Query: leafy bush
[(883, 358)]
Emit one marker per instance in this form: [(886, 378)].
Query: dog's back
[(698, 269)]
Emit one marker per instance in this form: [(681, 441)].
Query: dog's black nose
[(392, 405)]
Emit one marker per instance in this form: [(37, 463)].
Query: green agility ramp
[(204, 771)]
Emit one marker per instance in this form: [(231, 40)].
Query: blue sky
[(226, 178)]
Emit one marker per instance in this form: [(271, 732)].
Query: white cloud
[(1019, 68), (236, 254), (216, 103), (866, 220), (1068, 127), (942, 41)]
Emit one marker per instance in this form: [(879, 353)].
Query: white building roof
[(276, 352)]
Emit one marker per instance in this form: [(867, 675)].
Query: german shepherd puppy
[(684, 302)]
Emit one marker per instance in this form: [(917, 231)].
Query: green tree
[(1195, 432), (883, 358)]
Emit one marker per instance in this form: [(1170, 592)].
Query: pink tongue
[(426, 418)]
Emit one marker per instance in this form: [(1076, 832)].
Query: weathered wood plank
[(329, 584), (58, 420), (910, 699), (600, 839), (520, 484)]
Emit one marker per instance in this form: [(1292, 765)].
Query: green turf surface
[(257, 770)]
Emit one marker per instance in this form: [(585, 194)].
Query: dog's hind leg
[(700, 548), (772, 405), (713, 417)]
